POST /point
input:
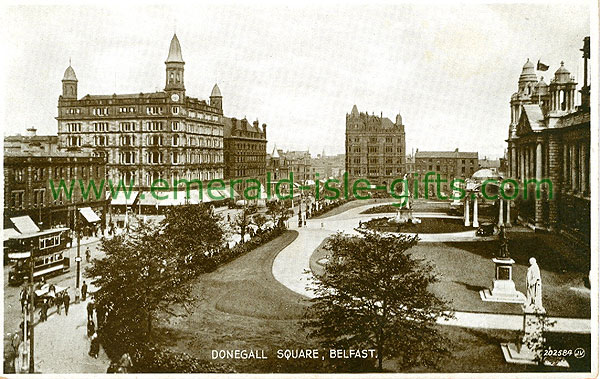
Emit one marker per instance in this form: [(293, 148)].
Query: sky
[(449, 70)]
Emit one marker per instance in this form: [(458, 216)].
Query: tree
[(374, 295), (241, 222), (194, 233), (138, 280), (278, 211), (260, 220)]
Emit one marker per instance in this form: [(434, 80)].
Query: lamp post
[(31, 311), (78, 258)]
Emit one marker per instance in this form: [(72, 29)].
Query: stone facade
[(30, 163), (449, 164), (245, 151), (375, 148), (549, 138), (147, 136)]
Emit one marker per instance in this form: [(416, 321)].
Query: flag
[(541, 66)]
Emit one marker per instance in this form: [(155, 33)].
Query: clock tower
[(174, 81)]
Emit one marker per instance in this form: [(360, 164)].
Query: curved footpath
[(291, 267)]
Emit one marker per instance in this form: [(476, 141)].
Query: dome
[(216, 92), (485, 174), (175, 51), (562, 75), (69, 74), (528, 73)]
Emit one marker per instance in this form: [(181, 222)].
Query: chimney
[(456, 150), (255, 123), (264, 126), (31, 132)]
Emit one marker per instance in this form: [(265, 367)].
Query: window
[(38, 197), (176, 158), (175, 126), (17, 199), (128, 157), (389, 149), (74, 127), (175, 110), (74, 141), (154, 110), (38, 174), (154, 140), (100, 111), (127, 140), (154, 126), (127, 126), (48, 242), (100, 126), (101, 140), (74, 111), (127, 109), (154, 157), (175, 140)]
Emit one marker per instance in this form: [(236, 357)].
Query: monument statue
[(503, 243), (534, 286)]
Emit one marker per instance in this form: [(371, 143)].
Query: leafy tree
[(278, 211), (260, 220), (194, 233), (241, 222), (138, 280), (374, 295)]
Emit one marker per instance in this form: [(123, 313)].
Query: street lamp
[(31, 310)]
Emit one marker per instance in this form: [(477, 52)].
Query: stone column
[(584, 168), (565, 168), (508, 224), (538, 177), (573, 168), (554, 174), (513, 166), (467, 221), (475, 213), (522, 164), (501, 212)]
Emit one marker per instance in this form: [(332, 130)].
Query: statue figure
[(503, 243), (534, 286)]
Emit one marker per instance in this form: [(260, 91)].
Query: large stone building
[(245, 151), (549, 138), (31, 163), (147, 136), (375, 148), (327, 166), (449, 164)]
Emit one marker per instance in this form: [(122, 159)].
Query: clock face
[(175, 97)]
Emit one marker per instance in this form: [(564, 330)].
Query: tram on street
[(49, 254)]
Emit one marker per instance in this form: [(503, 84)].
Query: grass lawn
[(242, 306), (427, 225), (350, 205)]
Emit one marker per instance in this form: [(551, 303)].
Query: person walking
[(91, 328), (88, 254), (58, 302), (90, 310), (67, 302), (23, 298), (83, 291), (44, 311), (94, 346), (77, 295)]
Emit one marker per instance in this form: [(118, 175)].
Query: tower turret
[(69, 84), (216, 99), (174, 65), (562, 90)]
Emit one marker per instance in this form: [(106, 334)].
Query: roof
[(446, 154), (69, 74), (355, 110), (216, 92), (484, 174), (175, 51), (24, 225), (231, 124), (528, 73), (275, 153), (159, 94), (534, 115)]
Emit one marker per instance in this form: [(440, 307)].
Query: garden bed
[(427, 225)]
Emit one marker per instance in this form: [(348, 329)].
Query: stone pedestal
[(503, 290), (520, 352)]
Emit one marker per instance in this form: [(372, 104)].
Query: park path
[(291, 267)]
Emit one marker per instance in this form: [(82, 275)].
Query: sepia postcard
[(376, 189)]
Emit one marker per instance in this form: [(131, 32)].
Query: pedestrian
[(58, 302), (88, 255), (91, 328), (67, 302), (44, 311), (77, 295), (83, 291), (23, 298), (94, 346), (90, 310), (125, 363)]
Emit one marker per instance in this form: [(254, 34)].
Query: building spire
[(174, 51)]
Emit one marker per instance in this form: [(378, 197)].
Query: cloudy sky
[(448, 69)]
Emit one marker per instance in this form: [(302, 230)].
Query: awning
[(124, 198), (9, 233), (89, 215), (25, 225)]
